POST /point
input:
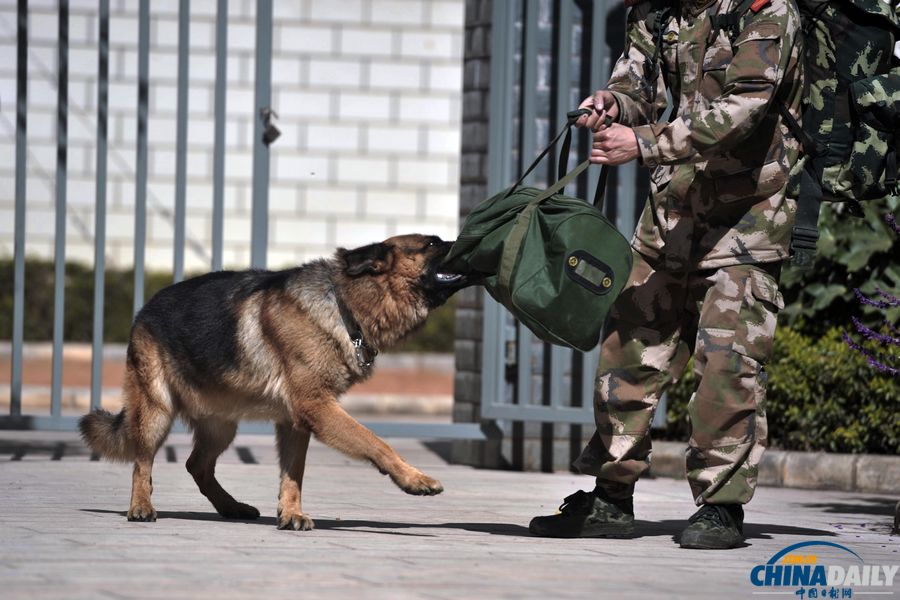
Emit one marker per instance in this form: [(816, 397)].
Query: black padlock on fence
[(270, 133)]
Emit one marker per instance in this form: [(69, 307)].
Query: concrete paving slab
[(64, 534)]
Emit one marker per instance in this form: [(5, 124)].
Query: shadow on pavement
[(858, 506), (670, 528)]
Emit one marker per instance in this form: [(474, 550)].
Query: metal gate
[(562, 53), (264, 134)]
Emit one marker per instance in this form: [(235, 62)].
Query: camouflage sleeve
[(762, 53), (627, 80)]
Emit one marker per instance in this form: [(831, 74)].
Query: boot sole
[(606, 531), (711, 544)]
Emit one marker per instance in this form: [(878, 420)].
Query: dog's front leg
[(292, 445), (334, 427)]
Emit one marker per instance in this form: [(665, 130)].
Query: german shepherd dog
[(275, 345)]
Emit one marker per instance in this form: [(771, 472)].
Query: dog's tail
[(107, 435)]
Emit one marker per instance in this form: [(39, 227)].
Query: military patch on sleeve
[(758, 5)]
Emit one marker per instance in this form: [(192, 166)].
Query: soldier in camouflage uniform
[(707, 255)]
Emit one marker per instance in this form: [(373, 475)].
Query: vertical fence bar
[(18, 331), (259, 238), (498, 176), (218, 213), (527, 151), (140, 192), (599, 75), (59, 282), (184, 30), (100, 207)]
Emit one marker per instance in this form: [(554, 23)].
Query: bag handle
[(562, 162)]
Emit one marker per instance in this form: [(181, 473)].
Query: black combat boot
[(715, 527), (587, 514)]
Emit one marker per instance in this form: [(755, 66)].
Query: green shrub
[(821, 395), (852, 253)]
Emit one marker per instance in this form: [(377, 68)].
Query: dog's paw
[(239, 510), (298, 521), (141, 512), (420, 484)]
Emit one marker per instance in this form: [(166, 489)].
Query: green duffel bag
[(554, 261)]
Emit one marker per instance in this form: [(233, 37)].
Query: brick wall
[(369, 98)]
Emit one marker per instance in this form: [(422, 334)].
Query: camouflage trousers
[(725, 317)]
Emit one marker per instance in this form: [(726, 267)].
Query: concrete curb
[(870, 473)]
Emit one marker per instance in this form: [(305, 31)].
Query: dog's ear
[(373, 259)]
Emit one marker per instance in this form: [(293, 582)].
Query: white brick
[(428, 109), (239, 101), (337, 10), (241, 36), (119, 226), (390, 204), (392, 75), (332, 137), (443, 205), (297, 167), (335, 73), (444, 141), (39, 220), (43, 27), (352, 234), (160, 229), (236, 229), (160, 130), (201, 131), (303, 39), (238, 165), (448, 14), (164, 33), (424, 172), (285, 71), (427, 44), (445, 78), (405, 12), (123, 30), (281, 257), (366, 42), (331, 201), (41, 94), (364, 106), (445, 231), (283, 199), (202, 68), (295, 231), (363, 170), (81, 29), (302, 104), (393, 139)]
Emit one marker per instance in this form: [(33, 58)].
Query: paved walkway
[(64, 534)]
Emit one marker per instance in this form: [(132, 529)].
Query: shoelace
[(713, 513), (577, 500)]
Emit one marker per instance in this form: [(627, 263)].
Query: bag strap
[(566, 131)]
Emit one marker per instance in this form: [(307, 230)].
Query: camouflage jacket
[(721, 161)]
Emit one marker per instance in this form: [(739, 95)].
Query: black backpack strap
[(652, 65), (805, 233), (730, 21), (812, 148)]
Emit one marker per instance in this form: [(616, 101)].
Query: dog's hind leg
[(211, 438), (292, 445), (334, 427), (148, 415)]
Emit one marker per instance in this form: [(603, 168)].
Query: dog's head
[(411, 261)]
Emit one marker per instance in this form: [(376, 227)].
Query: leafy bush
[(852, 253), (435, 336), (822, 395)]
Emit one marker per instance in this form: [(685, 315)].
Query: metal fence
[(265, 132), (524, 380)]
